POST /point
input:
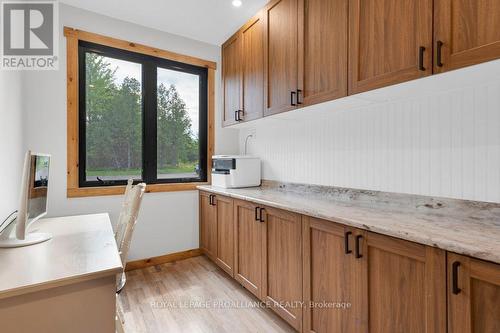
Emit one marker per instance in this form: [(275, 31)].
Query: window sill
[(81, 192)]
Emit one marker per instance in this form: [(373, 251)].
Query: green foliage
[(114, 123)]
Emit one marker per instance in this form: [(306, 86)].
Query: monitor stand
[(8, 237), (30, 239)]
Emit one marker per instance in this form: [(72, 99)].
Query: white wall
[(436, 136), (168, 221), (11, 141)]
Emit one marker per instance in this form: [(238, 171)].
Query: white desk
[(66, 284)]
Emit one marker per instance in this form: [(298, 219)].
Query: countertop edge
[(60, 282), (441, 244)]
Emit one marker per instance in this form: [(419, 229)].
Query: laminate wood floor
[(192, 296)]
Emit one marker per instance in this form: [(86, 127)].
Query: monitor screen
[(38, 186)]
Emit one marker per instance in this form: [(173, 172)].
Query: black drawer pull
[(346, 242), (455, 289), (261, 216), (299, 92), (292, 101), (421, 58), (358, 253), (439, 60), (257, 218)]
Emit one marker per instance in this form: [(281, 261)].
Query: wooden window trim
[(72, 38)]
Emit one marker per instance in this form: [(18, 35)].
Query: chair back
[(128, 218), (122, 220)]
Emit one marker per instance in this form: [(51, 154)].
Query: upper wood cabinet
[(473, 295), (402, 285), (296, 53), (466, 32), (208, 225), (252, 58), (232, 82), (225, 233), (390, 41), (249, 241), (280, 56), (322, 50), (282, 263)]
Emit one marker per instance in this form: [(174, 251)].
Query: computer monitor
[(32, 203)]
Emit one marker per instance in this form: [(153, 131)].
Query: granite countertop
[(466, 227)]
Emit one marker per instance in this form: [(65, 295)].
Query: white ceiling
[(211, 21)]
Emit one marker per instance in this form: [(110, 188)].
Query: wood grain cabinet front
[(280, 56), (466, 32), (208, 225), (473, 295), (360, 282), (232, 82), (399, 284), (390, 41), (225, 234), (327, 253), (322, 50), (282, 263), (249, 232)]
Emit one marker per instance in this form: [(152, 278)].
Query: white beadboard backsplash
[(438, 136)]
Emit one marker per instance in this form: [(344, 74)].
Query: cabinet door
[(253, 68), (322, 50), (327, 259), (231, 78), (385, 40), (403, 285), (225, 234), (280, 56), (249, 237), (208, 226), (473, 295), (468, 30), (282, 273)]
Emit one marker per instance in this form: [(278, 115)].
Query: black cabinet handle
[(292, 102), (210, 199), (241, 114), (439, 60), (455, 289), (261, 216), (257, 218), (236, 115), (299, 92), (346, 242), (358, 253), (421, 58)]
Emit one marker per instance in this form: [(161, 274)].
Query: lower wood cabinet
[(358, 281), (473, 295), (282, 259), (208, 225), (402, 285), (217, 230), (249, 233), (225, 234), (326, 282), (324, 277)]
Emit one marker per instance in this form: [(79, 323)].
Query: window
[(140, 117)]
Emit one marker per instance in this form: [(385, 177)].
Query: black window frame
[(150, 65)]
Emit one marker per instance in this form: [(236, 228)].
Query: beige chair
[(123, 235)]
